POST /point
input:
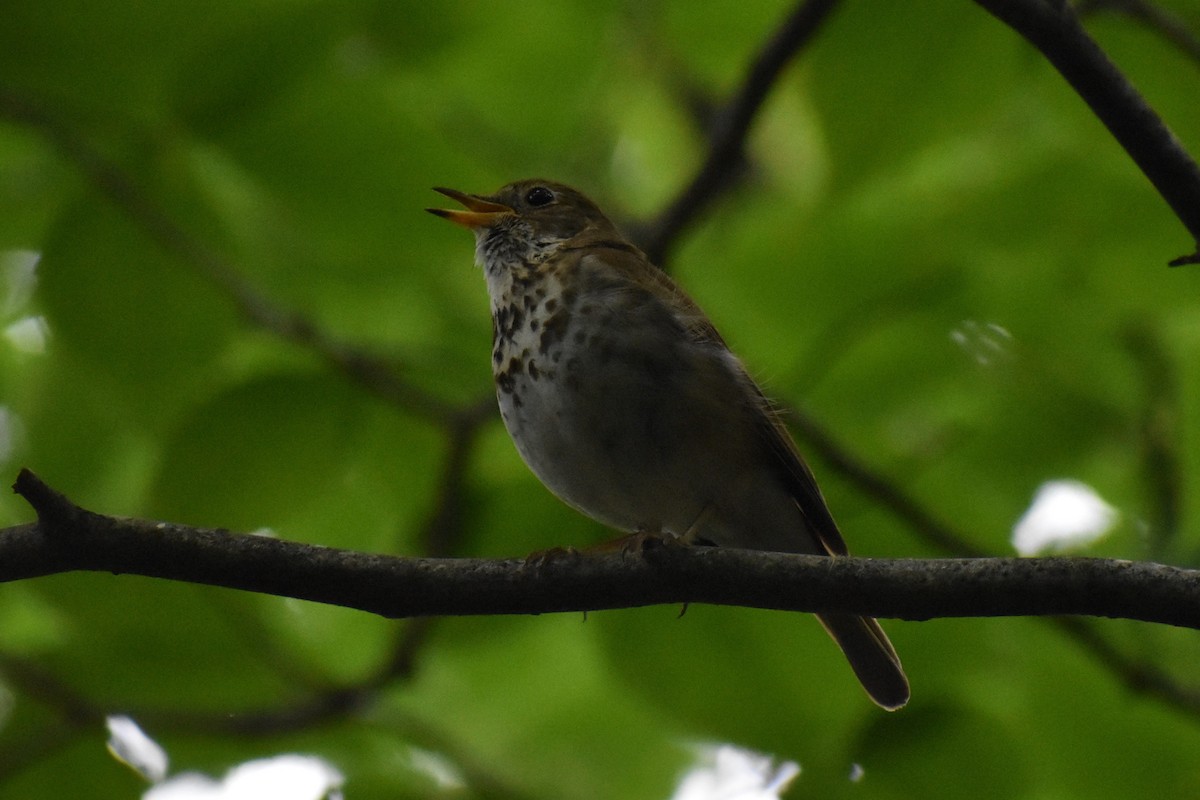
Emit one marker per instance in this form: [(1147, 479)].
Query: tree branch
[(731, 126), (1160, 437), (1053, 28), (378, 375), (1159, 20), (877, 487), (68, 538), (1138, 673)]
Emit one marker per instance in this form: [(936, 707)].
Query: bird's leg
[(539, 558), (649, 538), (636, 543), (692, 535)]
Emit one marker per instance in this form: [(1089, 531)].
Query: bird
[(626, 402)]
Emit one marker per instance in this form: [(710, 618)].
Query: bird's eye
[(539, 196)]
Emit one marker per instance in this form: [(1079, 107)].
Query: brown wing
[(864, 643), (800, 480), (775, 436)]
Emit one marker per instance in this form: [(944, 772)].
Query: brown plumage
[(626, 402)]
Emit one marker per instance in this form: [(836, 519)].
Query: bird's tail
[(871, 656)]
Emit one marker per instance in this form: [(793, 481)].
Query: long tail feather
[(871, 656)]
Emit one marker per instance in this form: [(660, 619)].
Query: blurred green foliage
[(919, 173)]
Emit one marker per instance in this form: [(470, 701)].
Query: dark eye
[(539, 196)]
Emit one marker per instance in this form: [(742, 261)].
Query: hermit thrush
[(625, 401)]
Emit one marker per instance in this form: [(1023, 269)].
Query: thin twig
[(878, 487), (444, 528), (1136, 673), (38, 746), (74, 711), (731, 126), (1159, 436), (1158, 19), (378, 375)]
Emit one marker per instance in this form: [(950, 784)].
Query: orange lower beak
[(480, 213)]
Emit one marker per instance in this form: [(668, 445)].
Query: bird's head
[(525, 222)]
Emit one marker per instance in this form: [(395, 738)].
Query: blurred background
[(211, 219)]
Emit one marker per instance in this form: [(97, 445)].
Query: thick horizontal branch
[(67, 538)]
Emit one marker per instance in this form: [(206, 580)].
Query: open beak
[(480, 213)]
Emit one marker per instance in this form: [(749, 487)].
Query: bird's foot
[(637, 544), (540, 558)]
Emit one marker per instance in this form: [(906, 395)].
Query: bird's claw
[(540, 558)]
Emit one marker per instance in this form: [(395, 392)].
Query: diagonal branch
[(731, 126), (68, 538), (378, 375), (876, 486), (1053, 28), (1140, 675), (1137, 673), (78, 717), (1160, 439), (1166, 24)]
